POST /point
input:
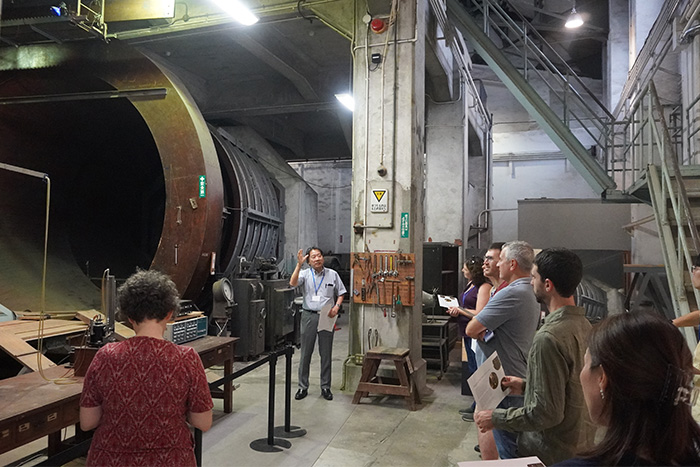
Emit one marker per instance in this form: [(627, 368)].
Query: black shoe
[(467, 410), (301, 393), (327, 394), (468, 417)]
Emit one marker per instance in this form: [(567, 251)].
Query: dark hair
[(646, 361), (310, 249), (697, 261), (561, 266), (474, 265), (148, 295), (496, 246)]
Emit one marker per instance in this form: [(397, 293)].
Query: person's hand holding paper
[(486, 383), (325, 321)]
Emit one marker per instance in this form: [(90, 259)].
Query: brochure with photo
[(485, 383), (447, 301)]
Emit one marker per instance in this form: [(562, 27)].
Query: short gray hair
[(521, 252), (147, 295)]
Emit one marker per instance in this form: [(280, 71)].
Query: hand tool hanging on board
[(409, 280)]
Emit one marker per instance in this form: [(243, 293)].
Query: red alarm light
[(378, 25)]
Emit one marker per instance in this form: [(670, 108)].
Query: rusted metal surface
[(125, 176)]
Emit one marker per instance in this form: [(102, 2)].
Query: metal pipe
[(156, 93)]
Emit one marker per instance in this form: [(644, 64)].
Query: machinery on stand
[(100, 328), (263, 315)]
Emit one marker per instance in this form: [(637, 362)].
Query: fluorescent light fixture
[(347, 100), (575, 20), (237, 11)]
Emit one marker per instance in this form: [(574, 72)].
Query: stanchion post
[(271, 401), (288, 431), (270, 444), (288, 389), (198, 446)]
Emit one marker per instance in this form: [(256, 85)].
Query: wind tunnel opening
[(107, 182)]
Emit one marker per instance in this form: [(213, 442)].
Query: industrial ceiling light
[(237, 11), (575, 20), (347, 100), (58, 10)]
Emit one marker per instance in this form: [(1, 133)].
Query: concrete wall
[(646, 246), (577, 224), (299, 205), (642, 15), (515, 180), (332, 181)]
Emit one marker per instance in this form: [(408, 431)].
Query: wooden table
[(31, 407), (218, 351)]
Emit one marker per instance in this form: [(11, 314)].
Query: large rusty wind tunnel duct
[(125, 176)]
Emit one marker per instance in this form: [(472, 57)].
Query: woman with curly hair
[(140, 394)]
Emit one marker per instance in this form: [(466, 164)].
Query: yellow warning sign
[(380, 203), (379, 194)]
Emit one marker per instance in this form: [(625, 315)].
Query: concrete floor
[(380, 431)]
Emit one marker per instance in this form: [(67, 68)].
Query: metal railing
[(575, 104), (668, 195)]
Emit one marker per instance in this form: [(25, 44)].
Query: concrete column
[(446, 183), (616, 64), (388, 148), (642, 14)]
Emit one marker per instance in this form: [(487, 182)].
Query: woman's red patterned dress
[(145, 387)]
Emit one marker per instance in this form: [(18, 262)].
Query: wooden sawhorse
[(371, 383)]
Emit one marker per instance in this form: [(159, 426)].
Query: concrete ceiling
[(280, 75)]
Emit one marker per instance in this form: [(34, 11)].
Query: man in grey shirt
[(507, 325), (553, 424), (320, 286)]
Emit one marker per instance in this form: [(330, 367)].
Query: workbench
[(31, 407)]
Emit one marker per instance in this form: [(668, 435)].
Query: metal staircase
[(639, 152), (674, 193), (572, 107)]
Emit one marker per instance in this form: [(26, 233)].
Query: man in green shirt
[(553, 424)]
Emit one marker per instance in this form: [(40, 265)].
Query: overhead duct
[(125, 174)]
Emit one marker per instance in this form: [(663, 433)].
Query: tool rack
[(383, 278)]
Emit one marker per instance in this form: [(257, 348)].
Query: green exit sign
[(202, 186)]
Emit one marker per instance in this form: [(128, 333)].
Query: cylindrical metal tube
[(127, 176)]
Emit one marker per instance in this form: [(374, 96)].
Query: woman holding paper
[(472, 300)]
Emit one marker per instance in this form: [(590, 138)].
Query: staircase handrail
[(485, 5), (669, 159)]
